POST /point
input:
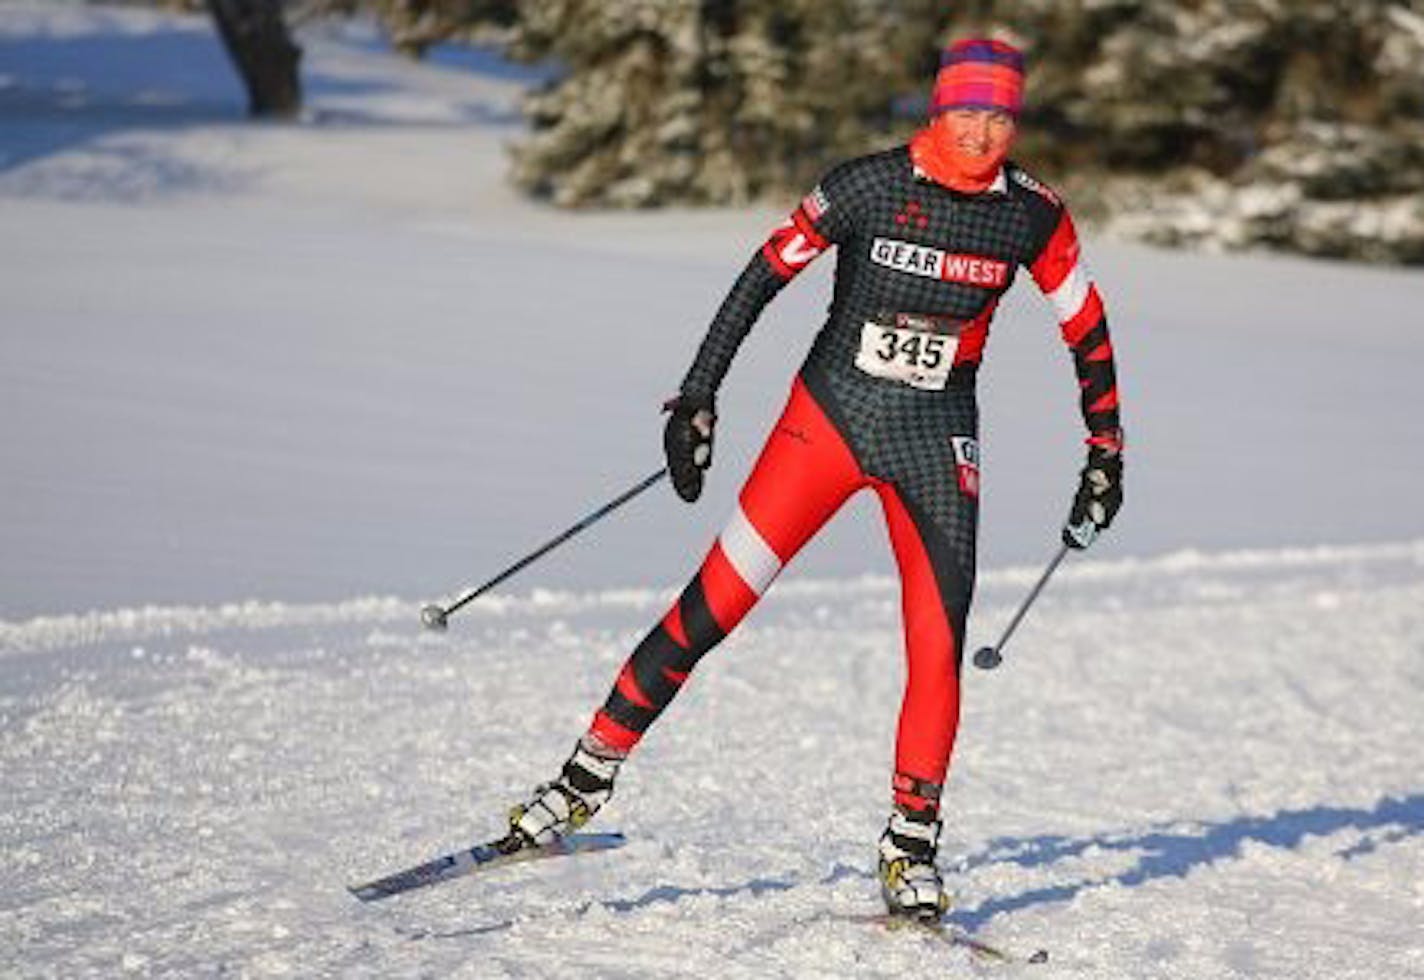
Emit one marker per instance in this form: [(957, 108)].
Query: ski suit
[(885, 400)]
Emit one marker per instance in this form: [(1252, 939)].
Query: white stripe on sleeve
[(1071, 294)]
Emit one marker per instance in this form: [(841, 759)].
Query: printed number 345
[(919, 350)]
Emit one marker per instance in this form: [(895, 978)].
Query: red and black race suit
[(920, 270)]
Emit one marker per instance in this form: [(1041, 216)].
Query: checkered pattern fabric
[(898, 433), (863, 200), (906, 439), (924, 268)]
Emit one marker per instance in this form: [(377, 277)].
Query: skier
[(929, 238)]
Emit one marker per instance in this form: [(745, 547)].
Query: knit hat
[(978, 73)]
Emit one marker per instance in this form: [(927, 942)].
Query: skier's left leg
[(936, 579), (932, 532)]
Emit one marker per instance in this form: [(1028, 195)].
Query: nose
[(976, 134)]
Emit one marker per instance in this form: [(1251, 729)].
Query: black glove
[(1098, 499), (687, 441)]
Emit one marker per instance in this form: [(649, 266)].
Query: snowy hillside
[(1200, 766), (344, 358), (266, 389)]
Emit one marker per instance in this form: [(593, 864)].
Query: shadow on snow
[(1173, 853), (1167, 852), (62, 93)]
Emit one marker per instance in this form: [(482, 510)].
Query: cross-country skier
[(929, 237)]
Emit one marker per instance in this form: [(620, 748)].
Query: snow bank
[(1197, 766)]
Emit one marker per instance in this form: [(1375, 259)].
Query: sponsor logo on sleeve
[(934, 263), (789, 249), (815, 204), (1034, 185)]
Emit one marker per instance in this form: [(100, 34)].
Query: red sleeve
[(1061, 275), (796, 242)]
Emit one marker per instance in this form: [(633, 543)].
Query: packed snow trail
[(1195, 766)]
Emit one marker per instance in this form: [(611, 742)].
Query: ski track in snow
[(1208, 768)]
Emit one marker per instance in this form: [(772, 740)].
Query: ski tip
[(479, 857), (609, 838), (371, 891), (944, 928), (581, 843)]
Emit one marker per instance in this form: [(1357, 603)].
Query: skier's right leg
[(803, 475)]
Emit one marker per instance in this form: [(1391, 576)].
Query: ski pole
[(436, 617), (987, 658)]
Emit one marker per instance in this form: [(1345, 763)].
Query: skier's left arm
[(1064, 280)]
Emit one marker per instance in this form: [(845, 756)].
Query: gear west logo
[(934, 263)]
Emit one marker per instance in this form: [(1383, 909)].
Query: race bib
[(918, 358)]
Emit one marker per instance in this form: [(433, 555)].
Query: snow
[(1207, 769), (267, 389)]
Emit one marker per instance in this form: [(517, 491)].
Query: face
[(978, 132)]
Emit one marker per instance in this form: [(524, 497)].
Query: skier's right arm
[(818, 222)]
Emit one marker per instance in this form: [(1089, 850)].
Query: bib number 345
[(917, 358)]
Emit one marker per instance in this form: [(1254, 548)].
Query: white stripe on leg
[(754, 560)]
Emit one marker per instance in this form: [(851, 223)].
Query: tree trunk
[(264, 53)]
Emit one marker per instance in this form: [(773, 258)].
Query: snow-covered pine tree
[(712, 101), (415, 25), (1291, 123), (1296, 124)]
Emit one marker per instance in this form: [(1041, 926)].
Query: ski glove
[(1098, 498), (687, 442)]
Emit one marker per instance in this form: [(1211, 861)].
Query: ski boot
[(909, 881), (561, 807)]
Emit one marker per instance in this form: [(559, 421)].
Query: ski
[(947, 932), (482, 857)]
